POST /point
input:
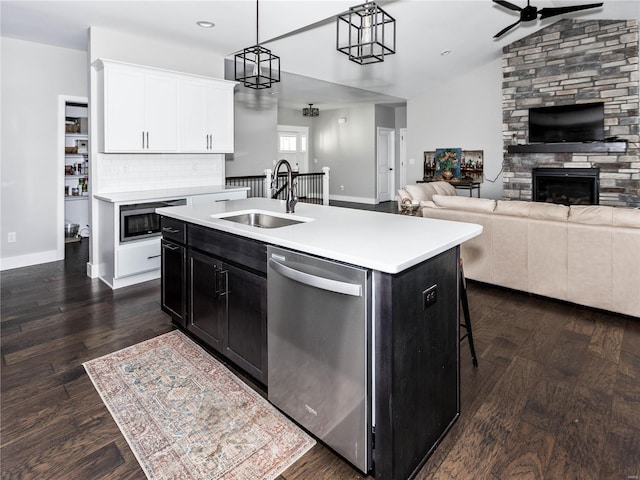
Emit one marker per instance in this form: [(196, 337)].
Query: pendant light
[(366, 33), (256, 67), (310, 112)]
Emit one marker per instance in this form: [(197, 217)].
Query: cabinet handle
[(170, 230), (153, 256), (173, 248), (147, 140), (225, 291), (143, 140)]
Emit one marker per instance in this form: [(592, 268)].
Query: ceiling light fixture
[(259, 67), (366, 33), (205, 24), (310, 112)]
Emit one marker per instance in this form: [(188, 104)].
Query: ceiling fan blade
[(508, 5), (505, 30), (552, 12)]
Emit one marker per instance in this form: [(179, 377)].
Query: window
[(288, 142)]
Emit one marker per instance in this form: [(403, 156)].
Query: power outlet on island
[(430, 296)]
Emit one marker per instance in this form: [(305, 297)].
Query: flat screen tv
[(567, 123)]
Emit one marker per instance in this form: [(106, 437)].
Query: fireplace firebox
[(567, 186)]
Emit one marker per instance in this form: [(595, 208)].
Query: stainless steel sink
[(260, 219)]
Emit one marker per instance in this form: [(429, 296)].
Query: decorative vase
[(447, 174)]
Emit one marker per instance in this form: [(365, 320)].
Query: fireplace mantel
[(569, 147)]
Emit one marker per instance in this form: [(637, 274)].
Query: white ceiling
[(303, 34)]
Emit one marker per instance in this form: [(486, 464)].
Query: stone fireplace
[(571, 62)]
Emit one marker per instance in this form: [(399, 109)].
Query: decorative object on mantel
[(366, 33), (185, 415), (529, 13), (260, 68), (310, 111), (468, 168)]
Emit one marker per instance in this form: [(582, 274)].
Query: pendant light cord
[(257, 23)]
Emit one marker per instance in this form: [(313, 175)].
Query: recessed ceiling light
[(444, 53), (205, 24)]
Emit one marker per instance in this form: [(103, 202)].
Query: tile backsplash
[(127, 172)]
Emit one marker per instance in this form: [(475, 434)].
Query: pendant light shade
[(366, 33), (256, 67)]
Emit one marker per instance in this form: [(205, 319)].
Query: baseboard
[(20, 261), (93, 270), (346, 198)]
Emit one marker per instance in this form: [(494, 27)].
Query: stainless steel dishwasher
[(319, 362)]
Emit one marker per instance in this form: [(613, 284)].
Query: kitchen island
[(398, 359)]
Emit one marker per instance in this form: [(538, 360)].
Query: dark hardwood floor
[(556, 394)]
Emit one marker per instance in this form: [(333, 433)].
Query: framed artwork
[(468, 167), (448, 159)]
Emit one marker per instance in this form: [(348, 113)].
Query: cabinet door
[(161, 113), (124, 117), (207, 307), (245, 330), (194, 117), (221, 118), (174, 281)]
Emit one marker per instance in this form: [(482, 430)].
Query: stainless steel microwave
[(140, 220)]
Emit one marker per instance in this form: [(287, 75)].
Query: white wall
[(348, 149), (465, 112), (32, 78)]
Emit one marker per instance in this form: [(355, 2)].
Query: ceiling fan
[(530, 13)]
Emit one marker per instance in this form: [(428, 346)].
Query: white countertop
[(381, 241), (165, 194)]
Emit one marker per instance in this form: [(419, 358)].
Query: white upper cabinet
[(140, 110), (206, 116), (157, 111)]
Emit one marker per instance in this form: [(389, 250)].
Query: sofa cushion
[(591, 215), (469, 204), (548, 211), (425, 191), (419, 191), (516, 208), (443, 188), (626, 217)]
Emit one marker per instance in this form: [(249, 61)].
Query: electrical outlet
[(342, 188), (11, 237), (430, 296)]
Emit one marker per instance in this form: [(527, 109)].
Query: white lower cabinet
[(121, 264), (138, 257)]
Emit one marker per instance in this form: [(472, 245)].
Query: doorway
[(385, 164), (73, 202), (293, 146)]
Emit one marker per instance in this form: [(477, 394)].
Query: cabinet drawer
[(231, 248), (138, 258), (174, 230)]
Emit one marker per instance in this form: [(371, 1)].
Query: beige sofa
[(589, 255), (423, 192)]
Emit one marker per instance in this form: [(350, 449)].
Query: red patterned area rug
[(186, 416)]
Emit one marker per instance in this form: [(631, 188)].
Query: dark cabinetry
[(173, 274), (219, 290)]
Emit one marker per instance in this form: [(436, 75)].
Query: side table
[(470, 185)]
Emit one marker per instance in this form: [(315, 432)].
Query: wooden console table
[(470, 185)]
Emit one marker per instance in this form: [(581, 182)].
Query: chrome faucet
[(292, 198)]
